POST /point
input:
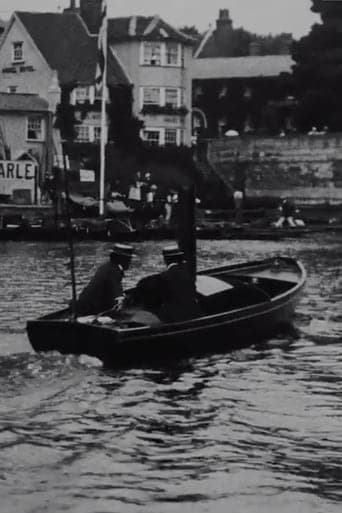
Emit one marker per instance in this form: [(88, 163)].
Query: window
[(81, 94), (171, 97), (12, 89), (157, 53), (151, 96), (97, 134), (223, 91), (152, 54), (247, 93), (17, 51), (170, 136), (152, 137), (82, 133), (172, 54), (198, 92), (34, 128), (181, 137)]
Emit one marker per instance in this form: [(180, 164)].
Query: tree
[(191, 31), (124, 128), (65, 114), (318, 70)]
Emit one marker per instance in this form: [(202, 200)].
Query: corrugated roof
[(137, 27), (66, 45), (22, 102), (241, 67)]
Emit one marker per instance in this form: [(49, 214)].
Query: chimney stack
[(223, 33), (72, 7), (223, 22)]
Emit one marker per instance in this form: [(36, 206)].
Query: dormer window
[(17, 52), (82, 94)]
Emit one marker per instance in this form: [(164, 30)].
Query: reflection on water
[(255, 430)]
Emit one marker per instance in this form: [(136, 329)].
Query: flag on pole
[(102, 49)]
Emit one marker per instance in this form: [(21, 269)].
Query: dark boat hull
[(225, 331)]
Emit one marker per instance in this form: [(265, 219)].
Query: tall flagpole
[(103, 141)]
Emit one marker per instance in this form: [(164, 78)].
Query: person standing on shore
[(238, 200), (287, 209)]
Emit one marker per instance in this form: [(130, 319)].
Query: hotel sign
[(17, 174), (174, 120)]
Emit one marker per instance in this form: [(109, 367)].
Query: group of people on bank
[(168, 296), (145, 197), (289, 215)]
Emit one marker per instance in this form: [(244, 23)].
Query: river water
[(258, 430)]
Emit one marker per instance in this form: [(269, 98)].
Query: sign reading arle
[(17, 170), (20, 174)]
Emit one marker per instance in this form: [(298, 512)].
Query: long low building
[(241, 82), (241, 67)]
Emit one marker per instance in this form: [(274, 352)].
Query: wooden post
[(186, 225), (69, 237)]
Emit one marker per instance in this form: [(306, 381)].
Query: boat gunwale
[(193, 325)]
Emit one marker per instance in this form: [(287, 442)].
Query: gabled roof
[(149, 28), (212, 47), (223, 40), (241, 67), (68, 48), (22, 102)]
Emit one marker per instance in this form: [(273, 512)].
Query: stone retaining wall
[(306, 168)]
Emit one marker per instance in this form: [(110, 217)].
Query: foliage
[(324, 7), (124, 128), (65, 115), (169, 166), (261, 107), (168, 110), (274, 44), (267, 45), (191, 31), (318, 78)]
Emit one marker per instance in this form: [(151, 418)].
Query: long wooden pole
[(186, 225), (103, 140), (69, 235)]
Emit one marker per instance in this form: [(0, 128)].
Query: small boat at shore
[(269, 233), (242, 304), (275, 234)]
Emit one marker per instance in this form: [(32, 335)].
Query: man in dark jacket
[(179, 289), (104, 291)]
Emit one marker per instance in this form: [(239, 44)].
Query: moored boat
[(242, 304)]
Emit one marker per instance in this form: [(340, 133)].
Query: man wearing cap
[(104, 291), (179, 290)]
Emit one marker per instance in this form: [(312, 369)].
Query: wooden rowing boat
[(242, 303)]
